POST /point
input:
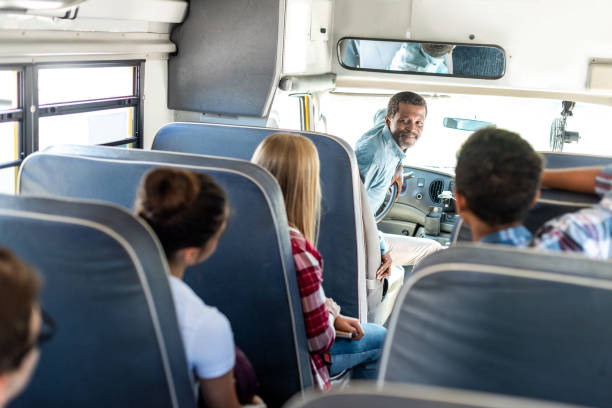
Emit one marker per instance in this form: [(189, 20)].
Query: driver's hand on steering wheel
[(385, 267)]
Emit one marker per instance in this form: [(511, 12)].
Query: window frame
[(16, 114), (28, 111), (135, 101)]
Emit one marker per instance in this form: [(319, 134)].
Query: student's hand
[(385, 267), (256, 403), (350, 325)]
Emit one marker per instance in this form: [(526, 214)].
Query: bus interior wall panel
[(228, 57)]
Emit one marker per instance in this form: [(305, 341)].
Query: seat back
[(97, 261), (552, 203), (341, 236), (558, 160), (507, 321), (416, 396), (251, 275)]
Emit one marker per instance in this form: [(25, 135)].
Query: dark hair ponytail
[(185, 209)]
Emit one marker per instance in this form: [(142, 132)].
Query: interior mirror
[(465, 124), (422, 57)]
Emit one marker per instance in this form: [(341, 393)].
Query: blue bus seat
[(97, 261), (412, 396), (505, 320), (552, 203), (341, 239), (251, 276)]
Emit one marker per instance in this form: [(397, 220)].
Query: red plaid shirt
[(319, 322)]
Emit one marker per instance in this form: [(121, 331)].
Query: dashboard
[(419, 211)]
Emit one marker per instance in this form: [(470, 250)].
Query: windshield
[(349, 116)]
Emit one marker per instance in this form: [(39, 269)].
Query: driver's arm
[(384, 248), (579, 179)]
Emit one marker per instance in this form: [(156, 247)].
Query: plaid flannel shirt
[(588, 231), (319, 322)]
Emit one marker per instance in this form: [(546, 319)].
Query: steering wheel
[(392, 194), (387, 203)]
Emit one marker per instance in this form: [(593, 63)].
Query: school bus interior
[(95, 92)]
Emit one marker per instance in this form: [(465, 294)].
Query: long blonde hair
[(294, 161)]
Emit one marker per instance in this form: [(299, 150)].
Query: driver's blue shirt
[(378, 156), (514, 236)]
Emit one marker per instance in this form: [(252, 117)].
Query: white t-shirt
[(207, 334)]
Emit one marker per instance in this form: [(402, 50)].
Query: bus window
[(8, 180), (82, 103), (530, 117), (58, 85), (8, 90), (89, 128), (10, 115), (89, 105)]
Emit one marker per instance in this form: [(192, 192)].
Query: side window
[(11, 119), (86, 103)]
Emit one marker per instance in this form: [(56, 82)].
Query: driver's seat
[(381, 295)]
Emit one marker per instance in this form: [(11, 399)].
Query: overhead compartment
[(229, 57)]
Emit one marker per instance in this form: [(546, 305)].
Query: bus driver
[(379, 152)]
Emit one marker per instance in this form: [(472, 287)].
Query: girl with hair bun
[(188, 212), (294, 162)]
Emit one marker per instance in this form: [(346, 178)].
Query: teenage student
[(188, 212), (497, 181), (294, 162), (498, 176)]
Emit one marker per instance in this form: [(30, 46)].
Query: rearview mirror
[(422, 58), (465, 124)]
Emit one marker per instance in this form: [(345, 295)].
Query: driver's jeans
[(409, 250)]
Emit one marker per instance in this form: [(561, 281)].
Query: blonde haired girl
[(294, 161)]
